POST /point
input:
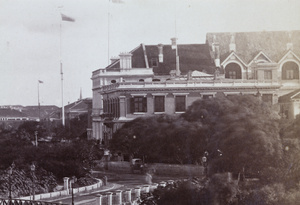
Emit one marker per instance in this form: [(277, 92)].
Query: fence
[(64, 192), (128, 196)]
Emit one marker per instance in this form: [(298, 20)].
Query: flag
[(117, 1), (41, 81), (67, 18)]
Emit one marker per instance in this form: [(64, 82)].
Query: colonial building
[(157, 79)]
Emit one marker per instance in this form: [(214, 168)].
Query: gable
[(233, 57), (248, 44), (290, 55)]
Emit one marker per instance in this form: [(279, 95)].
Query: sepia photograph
[(150, 102)]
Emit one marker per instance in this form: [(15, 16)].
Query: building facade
[(158, 79)]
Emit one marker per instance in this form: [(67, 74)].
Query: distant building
[(157, 79), (74, 110)]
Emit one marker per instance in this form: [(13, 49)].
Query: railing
[(26, 202), (192, 83)]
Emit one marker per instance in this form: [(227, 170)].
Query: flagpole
[(39, 101), (62, 83), (108, 27)]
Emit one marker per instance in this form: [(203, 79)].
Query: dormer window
[(154, 62)]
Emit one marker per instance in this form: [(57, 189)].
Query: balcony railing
[(193, 83)]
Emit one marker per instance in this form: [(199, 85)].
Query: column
[(122, 105)]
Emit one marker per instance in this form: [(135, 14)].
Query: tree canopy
[(239, 133)]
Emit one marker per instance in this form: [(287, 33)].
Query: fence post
[(109, 198), (66, 184), (127, 195), (117, 197), (98, 199), (137, 193)]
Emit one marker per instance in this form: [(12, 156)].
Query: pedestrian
[(148, 178)]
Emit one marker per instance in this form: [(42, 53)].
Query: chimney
[(289, 45), (217, 54), (114, 59), (125, 60), (232, 44), (174, 46), (160, 53)]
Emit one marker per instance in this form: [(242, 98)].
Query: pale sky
[(31, 43)]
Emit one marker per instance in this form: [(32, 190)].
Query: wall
[(64, 192), (161, 169)]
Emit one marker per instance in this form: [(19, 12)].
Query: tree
[(244, 129)]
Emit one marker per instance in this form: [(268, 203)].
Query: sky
[(34, 39)]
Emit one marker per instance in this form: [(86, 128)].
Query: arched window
[(141, 80), (156, 80), (233, 71), (290, 71)]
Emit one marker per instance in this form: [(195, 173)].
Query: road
[(118, 182)]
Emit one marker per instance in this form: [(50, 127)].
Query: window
[(232, 74), (268, 75), (154, 62), (113, 81), (159, 104), (179, 103), (139, 104), (141, 80), (289, 74)]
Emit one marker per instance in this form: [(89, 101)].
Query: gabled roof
[(248, 44), (191, 57), (233, 54), (261, 56), (289, 53), (290, 96)]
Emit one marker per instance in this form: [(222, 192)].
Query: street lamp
[(10, 172), (32, 168), (73, 180)]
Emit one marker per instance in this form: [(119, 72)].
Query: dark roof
[(191, 57), (44, 111), (288, 97), (249, 44), (6, 112)]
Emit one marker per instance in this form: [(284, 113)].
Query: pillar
[(137, 192), (66, 184), (117, 197), (122, 106), (109, 198), (99, 199), (146, 189), (127, 195)]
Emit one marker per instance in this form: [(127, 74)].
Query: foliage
[(240, 133), (194, 191), (23, 182)]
